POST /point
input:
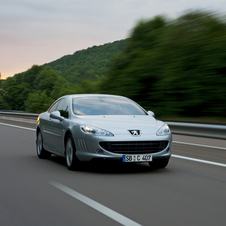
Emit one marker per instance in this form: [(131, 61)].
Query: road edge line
[(19, 127), (199, 160)]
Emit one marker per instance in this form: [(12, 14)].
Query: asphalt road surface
[(43, 192)]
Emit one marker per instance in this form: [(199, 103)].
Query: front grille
[(134, 147)]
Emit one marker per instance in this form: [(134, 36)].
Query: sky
[(38, 32)]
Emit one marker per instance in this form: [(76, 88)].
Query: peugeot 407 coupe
[(90, 127)]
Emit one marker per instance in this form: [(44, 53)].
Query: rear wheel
[(71, 158), (41, 152), (159, 164)]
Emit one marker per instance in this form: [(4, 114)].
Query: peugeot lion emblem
[(135, 132)]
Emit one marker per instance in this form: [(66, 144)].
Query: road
[(43, 192)]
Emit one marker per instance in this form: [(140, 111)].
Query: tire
[(70, 154), (159, 164), (41, 152)]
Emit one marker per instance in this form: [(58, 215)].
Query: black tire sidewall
[(75, 161), (43, 153)]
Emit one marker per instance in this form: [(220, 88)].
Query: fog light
[(99, 151)]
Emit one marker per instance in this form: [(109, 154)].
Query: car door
[(57, 128), (46, 126)]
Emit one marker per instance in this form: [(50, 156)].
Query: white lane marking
[(97, 206), (20, 127), (200, 145), (199, 160)]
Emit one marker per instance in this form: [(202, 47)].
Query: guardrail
[(197, 129), (183, 128), (19, 114)]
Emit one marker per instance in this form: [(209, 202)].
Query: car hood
[(121, 124)]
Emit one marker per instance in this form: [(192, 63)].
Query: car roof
[(93, 95)]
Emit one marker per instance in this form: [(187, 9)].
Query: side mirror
[(56, 115), (151, 113)]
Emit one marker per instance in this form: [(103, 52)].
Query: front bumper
[(91, 150), (88, 147), (97, 157)]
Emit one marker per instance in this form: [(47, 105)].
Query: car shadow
[(110, 167), (118, 168)]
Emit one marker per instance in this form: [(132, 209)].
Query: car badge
[(135, 132)]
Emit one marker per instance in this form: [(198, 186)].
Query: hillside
[(87, 64), (35, 89)]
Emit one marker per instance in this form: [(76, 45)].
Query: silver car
[(96, 127)]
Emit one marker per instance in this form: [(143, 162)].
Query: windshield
[(104, 105)]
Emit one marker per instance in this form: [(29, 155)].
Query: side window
[(53, 107), (63, 108)]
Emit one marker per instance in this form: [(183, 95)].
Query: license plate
[(137, 158)]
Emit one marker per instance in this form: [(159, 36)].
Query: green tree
[(176, 68), (38, 102), (45, 80), (15, 96), (2, 92)]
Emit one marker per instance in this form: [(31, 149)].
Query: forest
[(176, 68), (37, 88)]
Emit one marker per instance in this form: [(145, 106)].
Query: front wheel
[(41, 152), (71, 158)]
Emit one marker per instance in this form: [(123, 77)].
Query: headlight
[(164, 130), (95, 131)]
